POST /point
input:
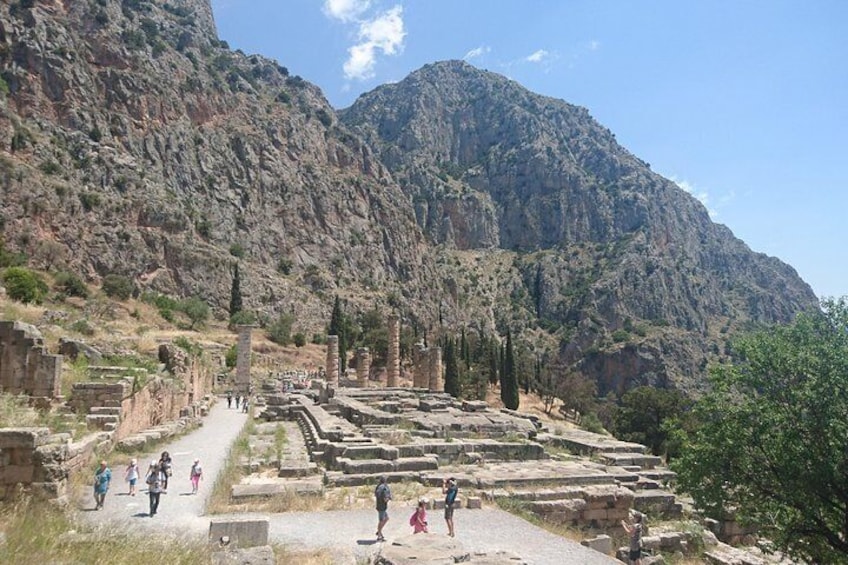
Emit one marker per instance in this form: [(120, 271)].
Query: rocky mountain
[(628, 263), (134, 141)]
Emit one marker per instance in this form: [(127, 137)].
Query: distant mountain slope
[(134, 141), (605, 244)]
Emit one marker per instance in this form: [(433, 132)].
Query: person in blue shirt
[(102, 478), (450, 490)]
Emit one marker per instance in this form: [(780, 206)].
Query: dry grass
[(39, 532)]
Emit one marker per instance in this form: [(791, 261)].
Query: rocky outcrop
[(640, 283), (133, 141)]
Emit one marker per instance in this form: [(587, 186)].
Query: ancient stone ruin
[(119, 405), (25, 365)]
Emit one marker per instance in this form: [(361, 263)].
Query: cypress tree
[(235, 292), (509, 380), (338, 326), (451, 368), (492, 354)]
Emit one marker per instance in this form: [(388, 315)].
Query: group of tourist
[(239, 400), (418, 520), (158, 474)]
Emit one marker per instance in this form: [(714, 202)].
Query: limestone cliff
[(640, 282), (134, 141)]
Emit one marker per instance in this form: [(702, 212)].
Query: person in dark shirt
[(382, 495), (450, 490)]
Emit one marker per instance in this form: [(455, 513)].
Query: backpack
[(413, 519)]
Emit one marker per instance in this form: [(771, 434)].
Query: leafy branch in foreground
[(773, 441)]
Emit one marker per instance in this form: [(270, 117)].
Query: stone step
[(288, 469), (267, 490), (643, 461), (657, 503), (339, 479), (365, 466), (105, 410)]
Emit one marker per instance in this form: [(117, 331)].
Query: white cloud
[(594, 45), (383, 34), (345, 10), (476, 52), (538, 56), (701, 195)]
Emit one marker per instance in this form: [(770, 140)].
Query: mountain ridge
[(134, 141)]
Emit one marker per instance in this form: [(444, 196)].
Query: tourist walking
[(229, 399), (102, 478), (418, 520), (165, 464), (634, 530), (155, 479), (382, 495), (131, 476), (195, 476), (244, 405), (238, 400), (450, 490)]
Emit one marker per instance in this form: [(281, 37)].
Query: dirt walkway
[(348, 534)]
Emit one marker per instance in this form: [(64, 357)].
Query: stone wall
[(25, 366)]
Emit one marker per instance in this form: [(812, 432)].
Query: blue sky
[(743, 103)]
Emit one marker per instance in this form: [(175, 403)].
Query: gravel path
[(349, 534)]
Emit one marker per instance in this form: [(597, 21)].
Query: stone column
[(393, 364), (243, 359), (333, 360), (421, 368), (363, 366), (436, 384)]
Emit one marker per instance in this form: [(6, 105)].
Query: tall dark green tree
[(452, 386), (509, 380), (643, 413), (339, 326), (493, 354), (235, 292), (772, 436)]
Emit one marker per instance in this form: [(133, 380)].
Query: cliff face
[(133, 141), (607, 248)]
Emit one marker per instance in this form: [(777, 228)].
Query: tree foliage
[(24, 285), (451, 367), (644, 414), (340, 326), (509, 379), (772, 444), (196, 309), (235, 292)]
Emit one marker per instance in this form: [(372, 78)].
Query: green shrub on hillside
[(9, 258), (242, 318), (231, 357), (196, 309), (280, 330), (24, 285), (70, 284), (118, 286)]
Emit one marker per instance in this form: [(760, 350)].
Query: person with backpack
[(418, 520), (165, 465), (155, 479), (450, 490), (382, 495)]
